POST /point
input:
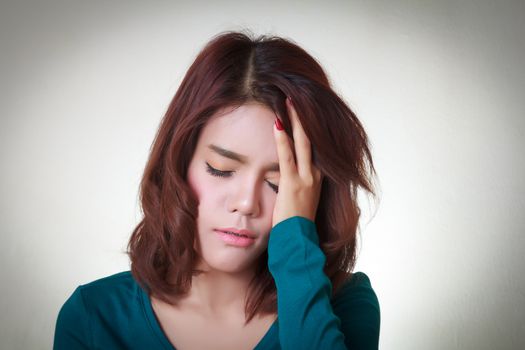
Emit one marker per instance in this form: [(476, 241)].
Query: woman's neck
[(218, 293)]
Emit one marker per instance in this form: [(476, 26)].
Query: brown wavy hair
[(232, 69)]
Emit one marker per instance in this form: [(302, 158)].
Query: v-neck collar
[(161, 336)]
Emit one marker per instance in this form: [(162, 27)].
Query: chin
[(231, 266)]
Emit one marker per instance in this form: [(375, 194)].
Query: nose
[(245, 198)]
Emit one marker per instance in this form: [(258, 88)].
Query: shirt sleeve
[(358, 307), (72, 327), (305, 315)]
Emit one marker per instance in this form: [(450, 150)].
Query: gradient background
[(439, 86)]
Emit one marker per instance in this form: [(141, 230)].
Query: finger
[(302, 145), (287, 167)]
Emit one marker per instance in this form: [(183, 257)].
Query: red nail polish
[(278, 124)]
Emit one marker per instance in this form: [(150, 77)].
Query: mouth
[(235, 234), (235, 239), (238, 232)]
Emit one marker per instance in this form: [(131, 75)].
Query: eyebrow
[(239, 157)]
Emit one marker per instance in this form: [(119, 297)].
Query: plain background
[(439, 86)]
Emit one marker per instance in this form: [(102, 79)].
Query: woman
[(250, 217)]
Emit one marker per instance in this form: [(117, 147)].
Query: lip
[(235, 240), (245, 232)]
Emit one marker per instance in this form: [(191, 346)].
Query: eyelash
[(215, 172)]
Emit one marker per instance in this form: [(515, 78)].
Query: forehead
[(247, 129), (242, 117)]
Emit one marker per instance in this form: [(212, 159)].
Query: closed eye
[(219, 173), (216, 172)]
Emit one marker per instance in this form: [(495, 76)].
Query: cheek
[(205, 190), (199, 183), (271, 199)]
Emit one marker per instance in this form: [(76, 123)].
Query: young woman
[(249, 196)]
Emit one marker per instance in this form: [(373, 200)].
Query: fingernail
[(289, 100), (278, 124)]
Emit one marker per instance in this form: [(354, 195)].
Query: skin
[(301, 180), (244, 199)]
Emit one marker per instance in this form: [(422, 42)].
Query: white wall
[(439, 86)]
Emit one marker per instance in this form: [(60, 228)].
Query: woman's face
[(243, 195)]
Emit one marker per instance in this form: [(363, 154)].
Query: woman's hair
[(231, 70)]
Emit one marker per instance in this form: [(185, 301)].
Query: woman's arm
[(305, 314)]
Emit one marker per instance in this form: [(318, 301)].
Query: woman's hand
[(299, 184)]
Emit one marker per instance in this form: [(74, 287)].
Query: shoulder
[(114, 289), (357, 306), (109, 291), (97, 302), (357, 285), (113, 284)]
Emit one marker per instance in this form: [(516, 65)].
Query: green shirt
[(116, 313)]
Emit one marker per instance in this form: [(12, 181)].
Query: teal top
[(116, 313)]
